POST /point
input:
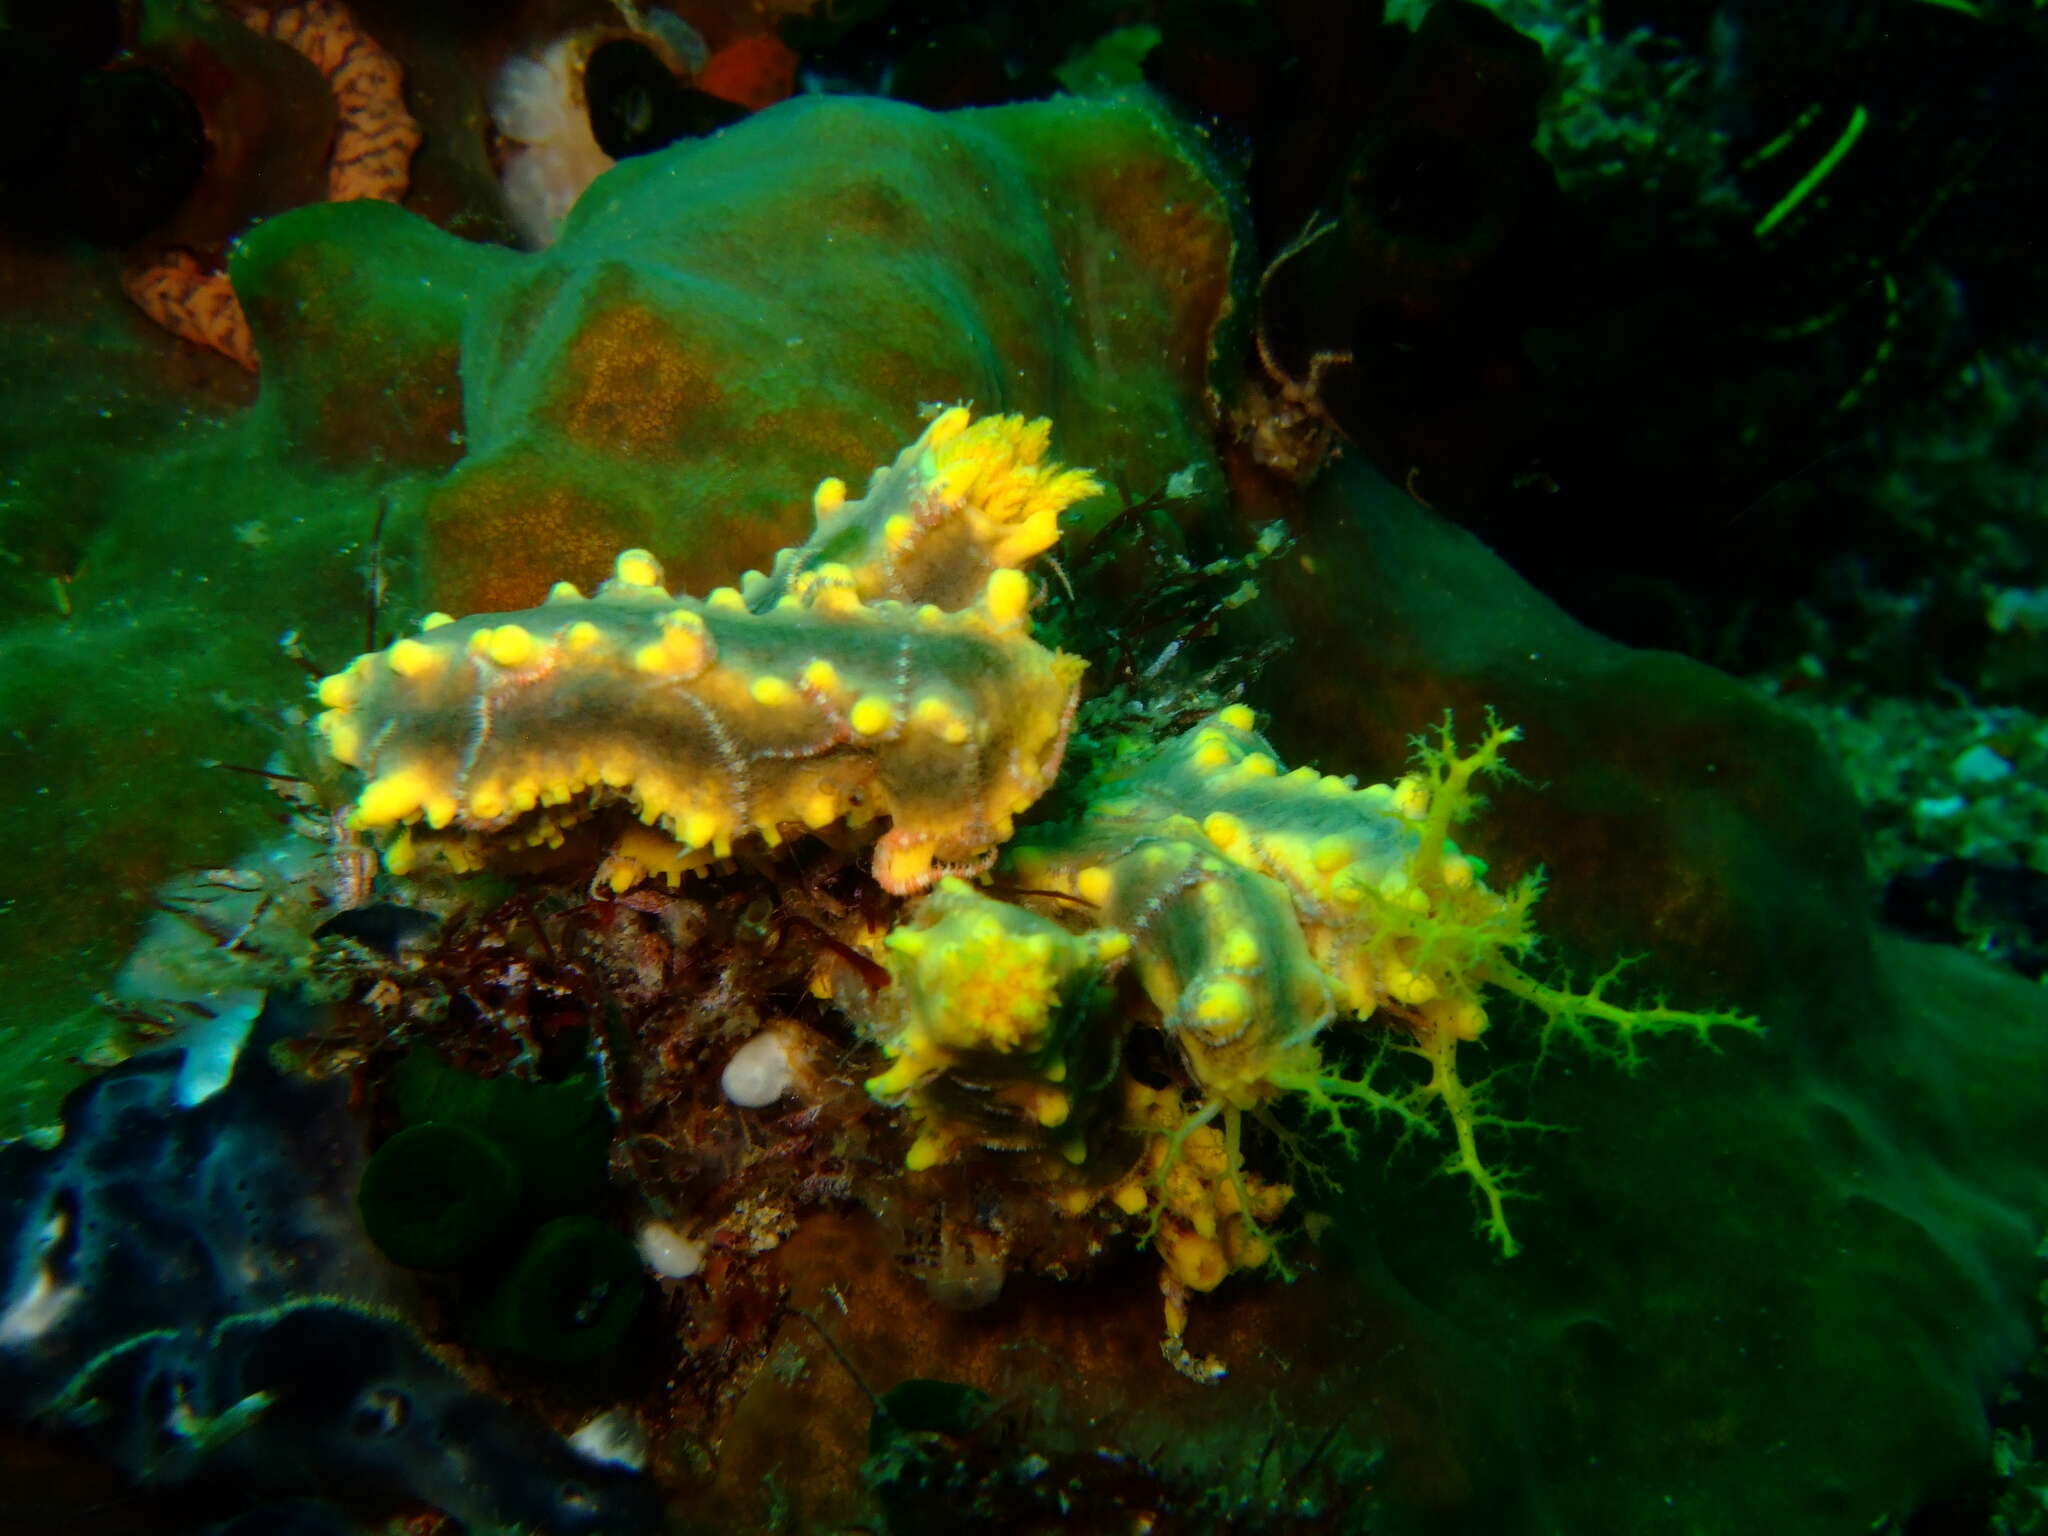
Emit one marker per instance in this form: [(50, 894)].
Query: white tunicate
[(37, 1310), (213, 1044), (760, 1071), (613, 1438), (668, 1253), (552, 156)]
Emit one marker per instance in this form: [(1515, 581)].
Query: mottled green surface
[(1771, 1288), (191, 549), (725, 323)]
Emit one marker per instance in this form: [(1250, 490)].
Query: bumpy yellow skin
[(1264, 904), (992, 1025), (900, 681)]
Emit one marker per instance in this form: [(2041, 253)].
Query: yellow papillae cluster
[(995, 1025), (1263, 904), (968, 499), (903, 685), (1211, 1216)]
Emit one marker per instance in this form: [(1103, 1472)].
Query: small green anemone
[(437, 1194), (570, 1297)]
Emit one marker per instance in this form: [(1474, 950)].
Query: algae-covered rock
[(1769, 1287), (738, 316)]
